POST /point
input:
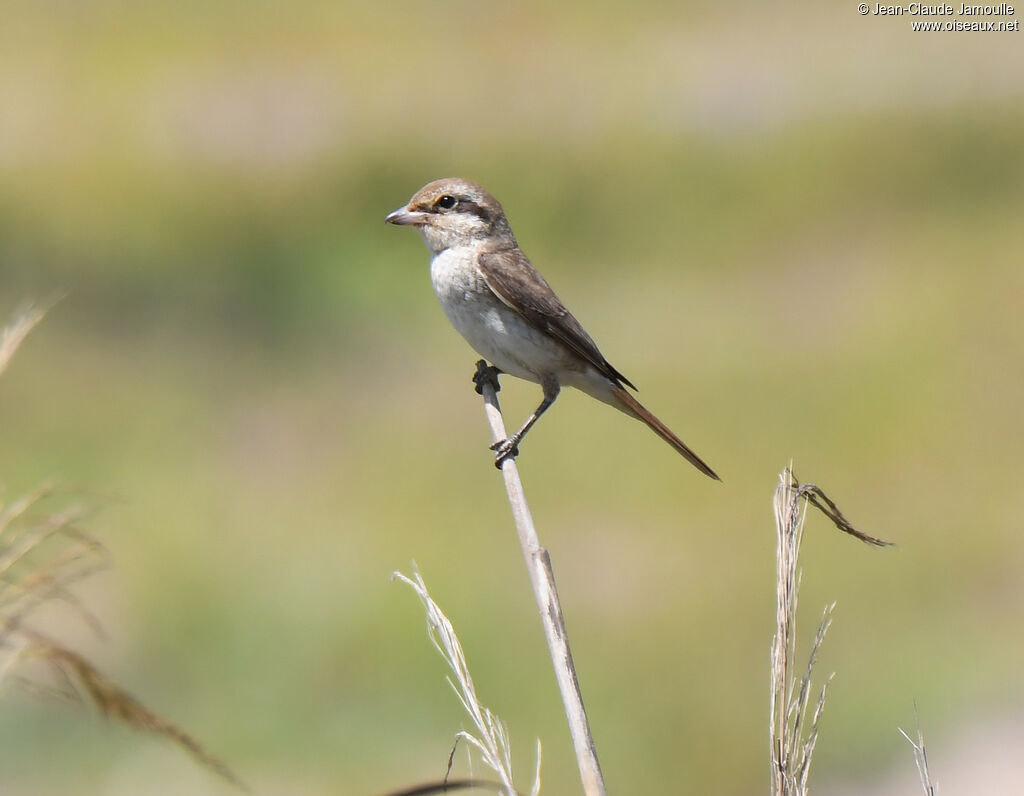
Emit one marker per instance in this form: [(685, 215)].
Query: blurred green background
[(797, 230)]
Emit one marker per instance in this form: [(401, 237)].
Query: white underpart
[(501, 335)]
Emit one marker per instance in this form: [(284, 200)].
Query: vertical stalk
[(542, 578)]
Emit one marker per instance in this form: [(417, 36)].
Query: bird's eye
[(446, 202)]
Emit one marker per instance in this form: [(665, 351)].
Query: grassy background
[(798, 231)]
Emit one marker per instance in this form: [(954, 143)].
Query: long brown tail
[(632, 406)]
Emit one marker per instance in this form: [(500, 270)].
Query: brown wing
[(512, 278)]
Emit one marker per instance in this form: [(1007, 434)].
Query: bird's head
[(454, 212)]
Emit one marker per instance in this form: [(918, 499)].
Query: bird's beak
[(403, 216)]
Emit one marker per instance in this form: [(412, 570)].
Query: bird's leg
[(485, 374), (509, 447)]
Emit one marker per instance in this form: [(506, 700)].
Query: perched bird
[(507, 311)]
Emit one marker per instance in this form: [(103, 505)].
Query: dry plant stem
[(920, 756), (40, 559), (491, 740), (792, 732), (538, 564), (15, 332), (793, 727)]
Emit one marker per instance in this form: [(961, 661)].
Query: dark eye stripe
[(462, 205)]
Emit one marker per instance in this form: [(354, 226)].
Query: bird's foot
[(486, 374), (506, 449)]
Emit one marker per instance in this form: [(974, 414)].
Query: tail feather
[(631, 406)]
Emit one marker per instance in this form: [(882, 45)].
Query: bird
[(507, 311)]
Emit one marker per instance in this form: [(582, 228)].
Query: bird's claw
[(505, 449), (486, 374)]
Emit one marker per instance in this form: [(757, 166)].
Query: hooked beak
[(403, 216)]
